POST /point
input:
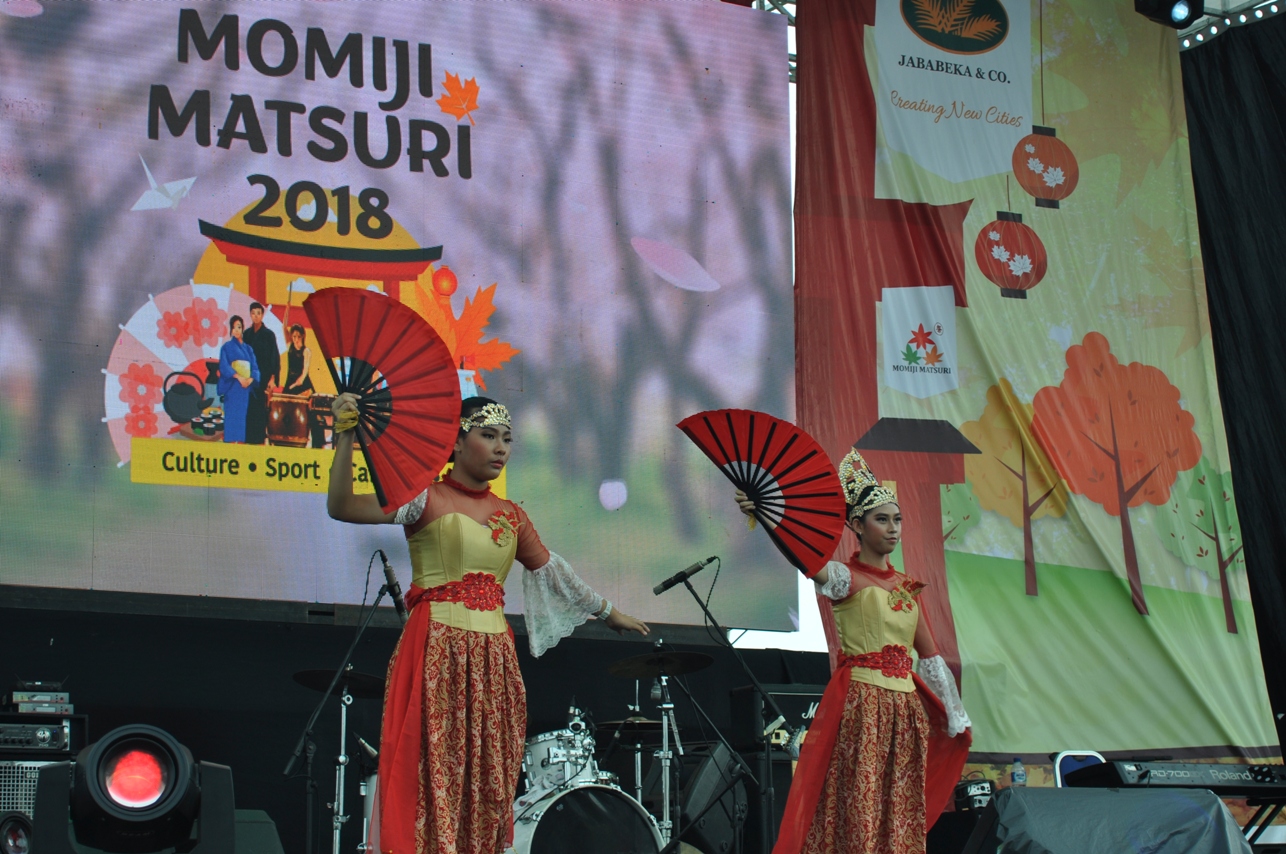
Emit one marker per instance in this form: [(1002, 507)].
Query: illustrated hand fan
[(409, 412), (784, 471)]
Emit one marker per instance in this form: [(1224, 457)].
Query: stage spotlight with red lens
[(15, 833), (135, 791)]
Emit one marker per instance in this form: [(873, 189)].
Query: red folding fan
[(409, 412), (784, 471)]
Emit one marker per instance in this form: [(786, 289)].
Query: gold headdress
[(856, 477), (491, 415)]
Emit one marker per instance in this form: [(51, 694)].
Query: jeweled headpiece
[(862, 492), (491, 415)]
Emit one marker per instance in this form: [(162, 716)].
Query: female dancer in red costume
[(455, 710), (860, 786)]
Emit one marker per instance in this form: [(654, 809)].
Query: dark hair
[(255, 305), (295, 327), (233, 321), (468, 406)]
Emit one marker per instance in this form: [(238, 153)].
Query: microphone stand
[(766, 793), (306, 737), (742, 768)]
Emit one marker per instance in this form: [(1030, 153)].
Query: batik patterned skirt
[(872, 801), (455, 720)]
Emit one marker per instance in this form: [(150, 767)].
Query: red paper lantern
[(1010, 255), (1045, 167), (444, 281)]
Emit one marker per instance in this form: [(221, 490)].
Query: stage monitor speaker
[(706, 773), (781, 776), (1076, 821)]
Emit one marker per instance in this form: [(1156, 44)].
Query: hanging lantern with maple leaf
[(1045, 167), (1011, 255)]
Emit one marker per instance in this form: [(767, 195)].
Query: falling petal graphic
[(612, 494), (674, 265), (20, 8)]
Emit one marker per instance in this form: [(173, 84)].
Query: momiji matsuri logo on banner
[(919, 331)]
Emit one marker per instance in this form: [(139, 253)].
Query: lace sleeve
[(938, 677), (409, 513), (838, 582), (557, 601)]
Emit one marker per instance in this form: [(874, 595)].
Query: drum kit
[(569, 805)]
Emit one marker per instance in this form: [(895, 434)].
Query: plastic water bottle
[(1017, 773)]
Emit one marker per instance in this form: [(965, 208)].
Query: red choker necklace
[(455, 484), (857, 564)]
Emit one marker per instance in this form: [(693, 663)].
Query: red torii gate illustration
[(260, 254)]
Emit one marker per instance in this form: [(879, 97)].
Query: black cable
[(366, 591)]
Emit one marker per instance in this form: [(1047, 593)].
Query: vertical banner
[(1047, 406), (919, 327), (954, 83)]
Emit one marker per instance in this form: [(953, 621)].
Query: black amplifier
[(55, 736), (750, 718)]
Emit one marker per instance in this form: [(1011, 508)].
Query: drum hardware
[(346, 679), (363, 686), (652, 665), (368, 765)]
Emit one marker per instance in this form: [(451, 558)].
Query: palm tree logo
[(958, 26)]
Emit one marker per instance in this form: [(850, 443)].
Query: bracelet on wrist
[(606, 612)]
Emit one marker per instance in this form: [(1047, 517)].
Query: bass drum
[(587, 819)]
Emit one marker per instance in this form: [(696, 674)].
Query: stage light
[(15, 833), (1178, 14), (135, 791)]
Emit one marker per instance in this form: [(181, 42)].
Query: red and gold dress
[(455, 709), (860, 786)]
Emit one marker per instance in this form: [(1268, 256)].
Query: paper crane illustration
[(167, 195)]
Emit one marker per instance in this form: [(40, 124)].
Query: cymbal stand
[(665, 755), (638, 749), (338, 818)]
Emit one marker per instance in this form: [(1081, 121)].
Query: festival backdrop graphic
[(588, 202), (1001, 301)]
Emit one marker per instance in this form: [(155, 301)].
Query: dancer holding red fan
[(882, 754), (455, 710)]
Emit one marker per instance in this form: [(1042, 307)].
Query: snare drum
[(585, 819), (559, 758)]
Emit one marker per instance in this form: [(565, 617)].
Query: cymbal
[(363, 686), (652, 664), (631, 730)]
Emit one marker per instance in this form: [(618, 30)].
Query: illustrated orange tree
[(1199, 526), (1117, 435), (1013, 476)]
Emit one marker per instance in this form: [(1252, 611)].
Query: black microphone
[(680, 577), (394, 589)]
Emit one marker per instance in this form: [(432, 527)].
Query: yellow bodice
[(447, 548), (867, 622)]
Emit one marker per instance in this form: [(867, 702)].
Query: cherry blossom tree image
[(1117, 435)]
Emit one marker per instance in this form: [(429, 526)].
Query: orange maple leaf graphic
[(461, 99), (933, 357), (471, 351)]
